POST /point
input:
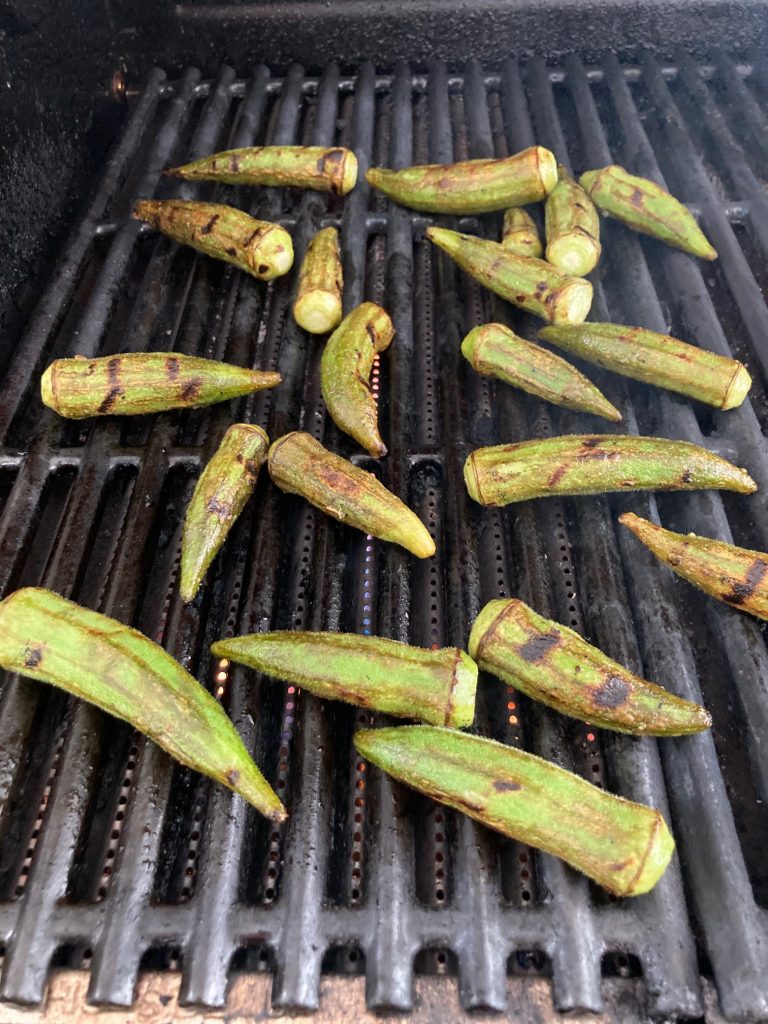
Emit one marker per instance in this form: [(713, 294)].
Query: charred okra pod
[(520, 234), (736, 576), (572, 227), (533, 285), (318, 298), (656, 359), (472, 186), (596, 464), (315, 167), (623, 846), (345, 373), (225, 485), (121, 671), (300, 465), (255, 246), (496, 351), (144, 382), (371, 672), (554, 665), (646, 207)]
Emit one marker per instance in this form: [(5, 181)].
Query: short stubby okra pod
[(300, 465), (371, 672), (736, 576), (259, 248), (552, 664), (623, 846), (572, 227), (225, 485), (318, 297), (646, 207), (596, 464), (124, 673), (533, 285), (145, 382), (496, 351), (345, 373), (317, 167), (656, 359), (472, 186), (519, 233)]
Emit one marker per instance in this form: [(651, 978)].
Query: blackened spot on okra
[(502, 786), (686, 476), (192, 389), (637, 198), (32, 656), (231, 251), (263, 268), (590, 442), (222, 509), (538, 646), (234, 163), (172, 365), (741, 591), (557, 475), (371, 332), (210, 225), (612, 694), (115, 389)]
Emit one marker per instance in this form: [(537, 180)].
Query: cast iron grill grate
[(114, 859)]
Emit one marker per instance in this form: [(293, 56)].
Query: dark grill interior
[(114, 859)]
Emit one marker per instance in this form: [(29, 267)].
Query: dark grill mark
[(502, 786), (557, 475), (172, 367), (741, 591), (115, 389), (191, 389), (612, 694), (371, 332), (33, 656), (221, 509), (231, 251), (686, 476), (538, 646), (210, 225)]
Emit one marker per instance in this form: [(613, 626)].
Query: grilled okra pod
[(646, 207), (621, 845), (596, 464), (496, 351), (736, 576), (315, 167), (519, 233), (144, 382), (552, 664), (300, 465), (472, 186), (121, 671), (259, 248), (371, 672), (572, 227), (533, 285), (345, 372), (656, 359), (318, 298)]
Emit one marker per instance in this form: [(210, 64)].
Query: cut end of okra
[(572, 303), (317, 311), (547, 168), (271, 255), (574, 253), (738, 389)]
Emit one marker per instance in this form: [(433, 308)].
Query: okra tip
[(658, 854), (738, 389)]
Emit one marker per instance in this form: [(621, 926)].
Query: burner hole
[(525, 895), (440, 895)]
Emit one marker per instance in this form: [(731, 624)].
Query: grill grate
[(113, 858)]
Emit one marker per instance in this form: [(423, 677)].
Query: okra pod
[(736, 576), (596, 464), (519, 233), (318, 298), (533, 285), (317, 167), (144, 382), (656, 359), (299, 464), (345, 373), (623, 846), (496, 351), (371, 672), (225, 485), (472, 186), (646, 207), (259, 248), (552, 664), (572, 227), (121, 671)]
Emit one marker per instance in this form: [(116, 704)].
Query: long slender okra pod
[(316, 167), (596, 464), (144, 382), (519, 233), (572, 227), (371, 672), (100, 660), (345, 371), (318, 298), (623, 846)]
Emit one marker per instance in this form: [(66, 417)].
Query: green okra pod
[(646, 207), (519, 233), (320, 168), (596, 464), (369, 671), (318, 298), (300, 465), (736, 576), (533, 285), (472, 186), (345, 373), (121, 671), (496, 351), (656, 359), (552, 664), (259, 248), (144, 382), (225, 485), (572, 227), (621, 845)]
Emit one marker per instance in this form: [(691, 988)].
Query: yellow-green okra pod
[(318, 297), (572, 227), (121, 671), (519, 233), (320, 168), (623, 846)]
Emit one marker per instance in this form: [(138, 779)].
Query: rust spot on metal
[(503, 786), (538, 646), (192, 389), (33, 655), (208, 228), (612, 694), (741, 591), (115, 388)]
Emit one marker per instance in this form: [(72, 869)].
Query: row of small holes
[(426, 345), (21, 882), (438, 817)]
